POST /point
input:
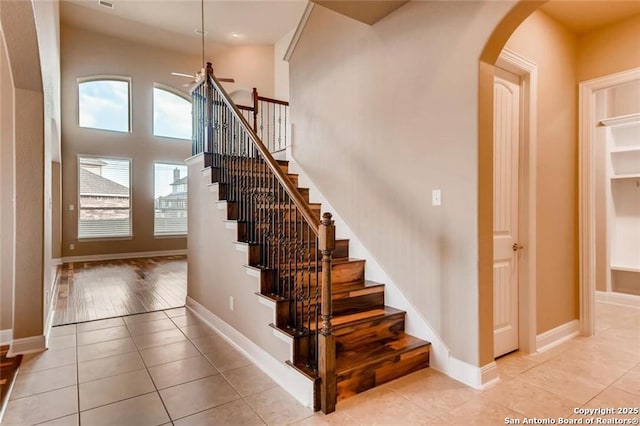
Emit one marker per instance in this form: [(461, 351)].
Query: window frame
[(173, 91), (94, 78), (79, 208), (171, 235)]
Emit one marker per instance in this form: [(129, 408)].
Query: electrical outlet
[(71, 207), (231, 303), (436, 197), (72, 246)]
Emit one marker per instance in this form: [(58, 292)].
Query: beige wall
[(250, 66), (281, 67), (382, 115), (553, 48), (89, 54), (609, 50), (6, 188)]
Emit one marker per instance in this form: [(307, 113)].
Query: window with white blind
[(104, 197), (170, 199), (171, 114), (104, 104)]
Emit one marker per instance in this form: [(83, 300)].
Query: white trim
[(586, 197), (56, 261), (27, 345), (470, 375), (6, 336), (527, 279), (133, 255), (614, 298), (300, 387), (50, 315), (299, 30), (557, 336), (194, 159)]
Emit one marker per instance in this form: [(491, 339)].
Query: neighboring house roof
[(93, 184), (85, 161)]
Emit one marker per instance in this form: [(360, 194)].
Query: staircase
[(351, 344)]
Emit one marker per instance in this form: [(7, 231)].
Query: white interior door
[(506, 143)]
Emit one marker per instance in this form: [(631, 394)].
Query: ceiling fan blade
[(179, 74), (227, 80)]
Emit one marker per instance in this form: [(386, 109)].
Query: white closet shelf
[(625, 268), (621, 120), (627, 176), (631, 148)]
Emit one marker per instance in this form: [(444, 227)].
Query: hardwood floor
[(8, 368), (96, 290)]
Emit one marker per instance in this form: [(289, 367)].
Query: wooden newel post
[(255, 109), (326, 340), (208, 120)]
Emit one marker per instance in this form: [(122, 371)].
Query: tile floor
[(169, 368)]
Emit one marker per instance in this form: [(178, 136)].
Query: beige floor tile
[(48, 359), (63, 330), (110, 366), (513, 364), (198, 331), (62, 342), (480, 412), (227, 358), (43, 381), (143, 327), (105, 349), (72, 420), (518, 395), (433, 391), (630, 382), (196, 396), (249, 380), (115, 388), (42, 407), (236, 413), (171, 352), (616, 399), (149, 316), (159, 338), (99, 324), (210, 343), (383, 406), (182, 371), (140, 411), (187, 319), (176, 312), (337, 418), (277, 407), (554, 379), (103, 335)]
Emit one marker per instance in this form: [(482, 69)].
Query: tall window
[(171, 115), (105, 197), (170, 187), (104, 104)]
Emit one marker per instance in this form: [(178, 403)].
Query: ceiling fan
[(196, 77)]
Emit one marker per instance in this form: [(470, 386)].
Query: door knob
[(517, 247)]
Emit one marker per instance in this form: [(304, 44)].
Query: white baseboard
[(614, 298), (56, 261), (470, 375), (6, 337), (27, 345), (290, 380), (557, 336), (114, 256)]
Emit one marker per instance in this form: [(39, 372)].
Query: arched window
[(104, 104), (171, 114)]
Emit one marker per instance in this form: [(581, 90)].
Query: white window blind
[(171, 115), (105, 197), (104, 104), (170, 199)]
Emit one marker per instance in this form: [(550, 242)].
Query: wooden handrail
[(273, 101), (293, 192)]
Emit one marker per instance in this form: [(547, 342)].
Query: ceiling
[(583, 16), (172, 23)]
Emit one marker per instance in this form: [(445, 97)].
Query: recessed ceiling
[(582, 16), (171, 24)]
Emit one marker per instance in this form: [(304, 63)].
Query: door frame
[(587, 187), (527, 312)]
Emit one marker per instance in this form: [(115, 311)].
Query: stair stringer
[(415, 323), (216, 271)]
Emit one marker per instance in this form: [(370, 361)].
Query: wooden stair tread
[(376, 352), (351, 319)]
